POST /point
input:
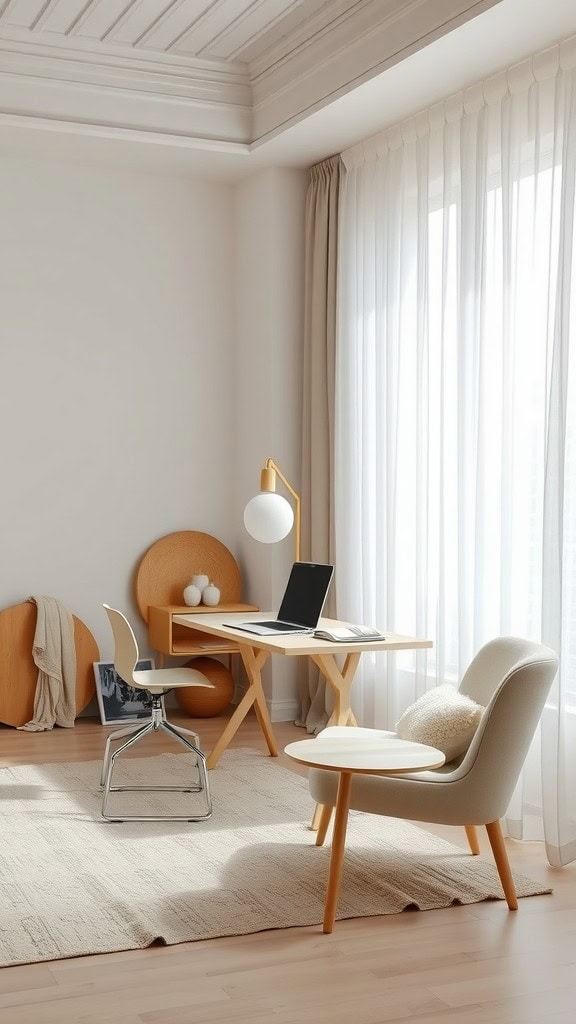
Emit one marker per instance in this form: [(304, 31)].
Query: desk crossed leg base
[(253, 660), (340, 682)]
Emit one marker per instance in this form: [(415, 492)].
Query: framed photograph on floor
[(118, 701)]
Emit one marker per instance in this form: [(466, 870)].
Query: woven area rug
[(72, 884)]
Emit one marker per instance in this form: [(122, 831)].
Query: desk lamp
[(268, 517)]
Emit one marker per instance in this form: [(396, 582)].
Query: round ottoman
[(204, 703)]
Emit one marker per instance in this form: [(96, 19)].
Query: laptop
[(302, 603)]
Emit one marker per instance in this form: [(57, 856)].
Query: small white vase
[(192, 595), (210, 595), (200, 581)]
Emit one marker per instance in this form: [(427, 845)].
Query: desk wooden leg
[(253, 661), (232, 727), (340, 682), (266, 725), (337, 853)]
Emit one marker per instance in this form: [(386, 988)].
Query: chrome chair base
[(135, 732)]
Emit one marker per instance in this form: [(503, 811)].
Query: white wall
[(268, 380), (150, 361), (116, 411)]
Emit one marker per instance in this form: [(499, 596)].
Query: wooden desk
[(255, 651), (377, 753)]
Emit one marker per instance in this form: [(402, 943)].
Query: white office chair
[(510, 678), (157, 682)]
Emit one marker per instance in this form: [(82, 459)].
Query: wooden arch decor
[(168, 566), (18, 673)]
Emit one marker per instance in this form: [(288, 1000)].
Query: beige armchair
[(511, 679)]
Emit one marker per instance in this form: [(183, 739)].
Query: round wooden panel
[(18, 673), (168, 566)]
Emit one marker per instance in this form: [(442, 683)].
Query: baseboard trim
[(279, 710)]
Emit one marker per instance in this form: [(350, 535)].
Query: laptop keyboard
[(280, 625)]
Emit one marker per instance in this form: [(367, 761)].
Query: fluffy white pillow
[(441, 718)]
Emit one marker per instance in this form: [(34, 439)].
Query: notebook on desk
[(301, 605), (349, 634)]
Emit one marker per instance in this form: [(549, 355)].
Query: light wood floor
[(465, 965)]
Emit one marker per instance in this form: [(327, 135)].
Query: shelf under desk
[(169, 638)]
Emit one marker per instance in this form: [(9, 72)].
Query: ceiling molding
[(300, 64), (307, 34), (105, 131), (201, 99), (356, 45)]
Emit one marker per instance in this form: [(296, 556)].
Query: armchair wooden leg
[(472, 839), (316, 817), (502, 863), (323, 824)]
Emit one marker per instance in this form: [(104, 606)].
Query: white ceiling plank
[(89, 5), (96, 12), (220, 14), (22, 15), (137, 20), (176, 19), (133, 20), (130, 10), (62, 15), (256, 21), (47, 9), (304, 20)]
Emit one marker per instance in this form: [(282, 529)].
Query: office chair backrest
[(125, 646), (511, 678)]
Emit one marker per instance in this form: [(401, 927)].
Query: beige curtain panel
[(319, 388)]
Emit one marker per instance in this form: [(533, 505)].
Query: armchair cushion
[(442, 718)]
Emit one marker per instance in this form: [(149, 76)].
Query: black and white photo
[(118, 701)]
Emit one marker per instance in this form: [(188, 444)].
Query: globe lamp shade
[(268, 517)]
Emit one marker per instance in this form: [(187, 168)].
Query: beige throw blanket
[(54, 654)]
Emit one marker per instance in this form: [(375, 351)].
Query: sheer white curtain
[(455, 460)]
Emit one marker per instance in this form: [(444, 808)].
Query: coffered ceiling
[(223, 87), (201, 73)]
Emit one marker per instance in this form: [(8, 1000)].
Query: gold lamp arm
[(268, 483)]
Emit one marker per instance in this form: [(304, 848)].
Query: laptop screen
[(305, 593)]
